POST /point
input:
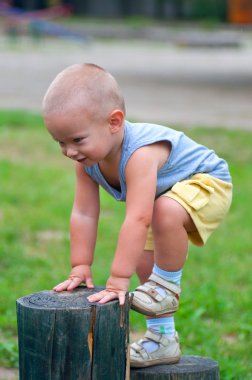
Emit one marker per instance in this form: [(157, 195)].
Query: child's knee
[(168, 213)]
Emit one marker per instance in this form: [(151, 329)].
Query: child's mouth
[(82, 160)]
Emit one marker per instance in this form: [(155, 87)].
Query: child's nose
[(71, 152)]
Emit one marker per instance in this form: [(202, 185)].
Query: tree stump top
[(49, 299), (190, 367)]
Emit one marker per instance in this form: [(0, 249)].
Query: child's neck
[(109, 167)]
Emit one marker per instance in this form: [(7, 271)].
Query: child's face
[(82, 138)]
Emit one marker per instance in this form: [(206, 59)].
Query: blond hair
[(86, 86)]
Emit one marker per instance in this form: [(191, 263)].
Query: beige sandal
[(146, 300), (168, 351)]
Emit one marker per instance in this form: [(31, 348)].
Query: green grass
[(36, 192)]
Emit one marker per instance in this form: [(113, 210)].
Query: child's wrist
[(80, 270), (75, 265), (115, 276), (116, 283)]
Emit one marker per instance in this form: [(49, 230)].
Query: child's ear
[(116, 120)]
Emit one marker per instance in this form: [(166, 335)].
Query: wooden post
[(64, 337), (189, 368)]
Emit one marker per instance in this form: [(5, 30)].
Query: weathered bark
[(64, 337), (189, 368)]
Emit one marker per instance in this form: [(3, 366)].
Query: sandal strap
[(139, 348), (150, 335), (155, 337), (165, 284), (149, 289)]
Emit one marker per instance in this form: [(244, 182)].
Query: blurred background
[(186, 62), (182, 63)]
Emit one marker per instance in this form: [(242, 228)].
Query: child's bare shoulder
[(158, 153)]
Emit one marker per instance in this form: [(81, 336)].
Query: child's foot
[(156, 297), (166, 350)]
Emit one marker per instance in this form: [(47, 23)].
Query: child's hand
[(79, 274), (116, 287)]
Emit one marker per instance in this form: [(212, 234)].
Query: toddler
[(174, 188)]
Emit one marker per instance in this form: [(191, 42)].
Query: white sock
[(174, 277), (164, 326)]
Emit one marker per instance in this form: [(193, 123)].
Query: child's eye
[(78, 140)]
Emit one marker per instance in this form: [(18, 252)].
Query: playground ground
[(162, 82)]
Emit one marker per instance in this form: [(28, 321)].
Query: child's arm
[(141, 177), (83, 231)]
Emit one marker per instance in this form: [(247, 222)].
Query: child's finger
[(96, 297), (104, 296), (108, 297), (121, 297), (62, 286), (74, 282), (89, 283)]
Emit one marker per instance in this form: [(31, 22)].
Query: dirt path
[(161, 83), (8, 374)]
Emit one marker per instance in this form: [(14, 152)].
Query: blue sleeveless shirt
[(186, 158)]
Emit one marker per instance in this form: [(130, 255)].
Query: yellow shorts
[(207, 201)]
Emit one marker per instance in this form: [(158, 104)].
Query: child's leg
[(162, 326), (170, 226), (144, 270), (145, 266), (207, 199)]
